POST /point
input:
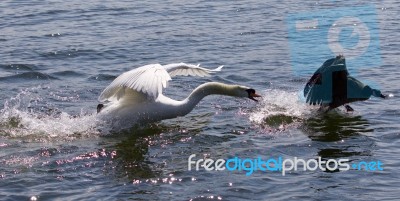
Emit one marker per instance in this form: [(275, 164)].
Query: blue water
[(57, 57)]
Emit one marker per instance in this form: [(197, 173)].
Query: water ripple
[(18, 67), (28, 76), (102, 77), (68, 73)]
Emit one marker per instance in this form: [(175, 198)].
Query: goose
[(331, 86), (136, 96)]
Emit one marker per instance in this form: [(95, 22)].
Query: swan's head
[(241, 91), (99, 107), (251, 93)]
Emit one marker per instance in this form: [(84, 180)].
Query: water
[(57, 56)]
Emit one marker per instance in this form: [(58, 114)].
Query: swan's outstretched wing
[(148, 81), (189, 69)]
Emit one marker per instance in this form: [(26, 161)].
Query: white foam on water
[(28, 115), (279, 108)]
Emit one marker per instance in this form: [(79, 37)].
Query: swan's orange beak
[(252, 95)]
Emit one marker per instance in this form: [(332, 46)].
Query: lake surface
[(57, 57)]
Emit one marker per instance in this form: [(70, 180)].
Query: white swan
[(136, 96)]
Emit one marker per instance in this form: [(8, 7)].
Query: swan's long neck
[(210, 88)]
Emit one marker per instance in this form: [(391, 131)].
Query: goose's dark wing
[(322, 85), (315, 92)]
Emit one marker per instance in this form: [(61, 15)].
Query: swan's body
[(136, 96), (331, 86)]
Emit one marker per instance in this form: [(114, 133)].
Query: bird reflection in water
[(134, 161), (131, 149), (339, 135)]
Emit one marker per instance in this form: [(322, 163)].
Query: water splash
[(280, 109), (30, 116)]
